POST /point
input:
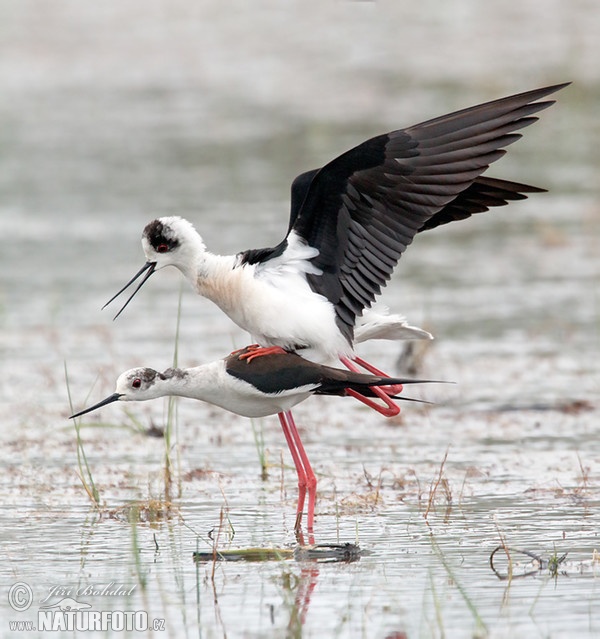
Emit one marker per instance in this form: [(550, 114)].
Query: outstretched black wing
[(364, 208), (480, 196)]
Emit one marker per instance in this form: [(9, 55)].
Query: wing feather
[(364, 208)]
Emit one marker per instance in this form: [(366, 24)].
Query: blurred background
[(113, 113)]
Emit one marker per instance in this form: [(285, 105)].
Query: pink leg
[(299, 467), (390, 390), (389, 410), (311, 480), (306, 476)]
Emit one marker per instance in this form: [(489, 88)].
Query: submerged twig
[(337, 553), (538, 564)]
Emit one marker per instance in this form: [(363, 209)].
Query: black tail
[(362, 383)]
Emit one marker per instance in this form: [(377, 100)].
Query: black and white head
[(172, 241), (167, 241), (137, 384)]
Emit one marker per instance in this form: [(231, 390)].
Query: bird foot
[(389, 408), (385, 393), (395, 389), (241, 350), (253, 351)]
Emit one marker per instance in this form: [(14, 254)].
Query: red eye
[(137, 382), (162, 248)]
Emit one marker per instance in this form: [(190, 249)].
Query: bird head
[(137, 384), (167, 241), (172, 241)]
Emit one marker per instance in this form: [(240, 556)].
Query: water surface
[(111, 117)]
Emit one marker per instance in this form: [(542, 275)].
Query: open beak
[(148, 266), (109, 400)]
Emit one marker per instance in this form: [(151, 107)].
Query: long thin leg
[(311, 480), (390, 390), (389, 410), (302, 480)]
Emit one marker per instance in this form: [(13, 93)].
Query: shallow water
[(111, 117)]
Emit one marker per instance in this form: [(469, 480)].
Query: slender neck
[(216, 277), (195, 258), (204, 270), (200, 382)]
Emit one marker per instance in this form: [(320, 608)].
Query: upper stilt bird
[(272, 383), (350, 222)]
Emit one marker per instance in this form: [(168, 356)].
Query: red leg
[(258, 351), (389, 410), (390, 390), (306, 476), (299, 467), (311, 480)]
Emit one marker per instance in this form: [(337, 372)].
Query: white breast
[(275, 304), (213, 384)]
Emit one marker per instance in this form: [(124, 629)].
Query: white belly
[(279, 311), (306, 323), (243, 399)]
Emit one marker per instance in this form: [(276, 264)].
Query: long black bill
[(109, 400), (148, 266)]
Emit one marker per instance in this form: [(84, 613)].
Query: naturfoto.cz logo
[(71, 614)]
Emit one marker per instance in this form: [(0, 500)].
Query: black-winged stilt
[(350, 222), (272, 383)]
